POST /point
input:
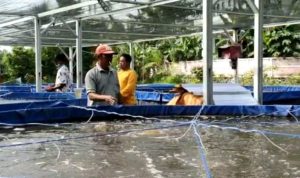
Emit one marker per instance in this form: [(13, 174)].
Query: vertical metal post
[(207, 53), (78, 54), (132, 55), (71, 64), (236, 39), (258, 52), (38, 54)]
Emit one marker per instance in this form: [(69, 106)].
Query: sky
[(7, 48)]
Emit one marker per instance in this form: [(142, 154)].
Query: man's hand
[(110, 100), (50, 88)]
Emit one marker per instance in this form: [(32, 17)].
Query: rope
[(5, 94), (202, 151), (195, 123), (34, 124), (92, 135), (115, 113)]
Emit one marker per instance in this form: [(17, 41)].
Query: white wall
[(274, 67)]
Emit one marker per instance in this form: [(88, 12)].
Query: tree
[(21, 63), (48, 65), (18, 63), (282, 42)]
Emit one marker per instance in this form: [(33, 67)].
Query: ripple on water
[(149, 153)]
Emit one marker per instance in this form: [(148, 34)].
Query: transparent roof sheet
[(119, 21)]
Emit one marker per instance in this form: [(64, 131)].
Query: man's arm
[(97, 97), (54, 87)]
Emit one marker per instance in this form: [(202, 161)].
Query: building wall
[(276, 67)]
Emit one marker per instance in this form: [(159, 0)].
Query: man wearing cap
[(101, 82), (63, 81)]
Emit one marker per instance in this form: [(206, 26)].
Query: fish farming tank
[(199, 146), (56, 135)]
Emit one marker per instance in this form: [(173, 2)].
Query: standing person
[(62, 81), (127, 79), (101, 82)]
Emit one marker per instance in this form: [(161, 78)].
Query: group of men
[(104, 85)]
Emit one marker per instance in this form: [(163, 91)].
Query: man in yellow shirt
[(127, 80)]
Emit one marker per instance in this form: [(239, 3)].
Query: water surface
[(151, 153)]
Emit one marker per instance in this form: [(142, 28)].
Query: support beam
[(38, 54), (68, 26), (78, 54), (258, 52), (48, 25), (252, 6), (71, 64), (63, 51), (231, 39), (235, 38), (207, 53), (132, 55), (51, 12), (128, 9), (68, 8), (12, 22)]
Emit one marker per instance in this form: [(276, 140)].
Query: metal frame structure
[(71, 23)]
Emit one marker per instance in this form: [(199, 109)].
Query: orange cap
[(104, 49)]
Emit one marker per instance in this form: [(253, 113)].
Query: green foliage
[(148, 60), (152, 59), (282, 42), (222, 78), (247, 79), (185, 48), (293, 79), (19, 63), (173, 79), (48, 65), (278, 42), (247, 43), (88, 61), (197, 72)]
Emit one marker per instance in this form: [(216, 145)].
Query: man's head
[(104, 54), (124, 62), (61, 59)]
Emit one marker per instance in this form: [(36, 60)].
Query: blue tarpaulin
[(62, 107), (75, 110)]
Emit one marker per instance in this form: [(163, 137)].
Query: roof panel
[(128, 20)]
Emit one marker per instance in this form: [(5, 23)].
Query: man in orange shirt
[(127, 80)]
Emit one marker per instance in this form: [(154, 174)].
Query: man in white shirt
[(62, 82)]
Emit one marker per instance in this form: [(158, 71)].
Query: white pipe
[(71, 64), (258, 52), (207, 52), (38, 66), (78, 54)]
